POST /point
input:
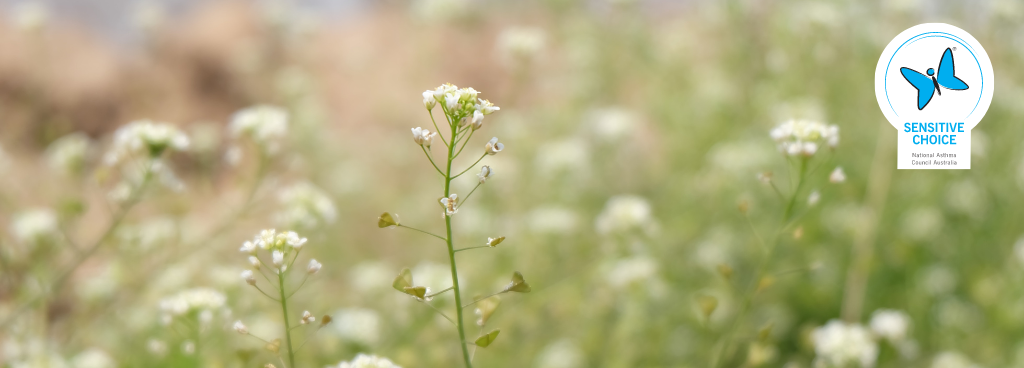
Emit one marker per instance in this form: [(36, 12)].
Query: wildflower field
[(457, 183)]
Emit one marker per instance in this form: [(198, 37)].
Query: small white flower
[(814, 198), (240, 328), (313, 267), (255, 262), (144, 137), (248, 247), (837, 176), (493, 147), (265, 125), (307, 318), (520, 45), (890, 324), (249, 277), (69, 154), (451, 101), (305, 206), (803, 137), (428, 99), (278, 258), (493, 242), (485, 107), (485, 173), (623, 213), (35, 225), (838, 344), (292, 239), (450, 204), (478, 119), (423, 137), (367, 361)]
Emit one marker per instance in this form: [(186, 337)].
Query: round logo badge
[(934, 83)]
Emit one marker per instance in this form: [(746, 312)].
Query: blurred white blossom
[(629, 271), (837, 176), (147, 138), (34, 226), (519, 46), (367, 361), (623, 213), (611, 123), (358, 325), (839, 344), (305, 206), (265, 125), (192, 300), (552, 220), (952, 359), (93, 358), (69, 154), (893, 325), (804, 137), (561, 354)]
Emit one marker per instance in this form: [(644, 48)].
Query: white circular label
[(934, 83)]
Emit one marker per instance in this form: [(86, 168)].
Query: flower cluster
[(69, 154), (305, 207), (804, 137), (145, 137), (34, 226), (623, 213), (520, 45), (203, 301), (279, 244), (367, 361), (265, 125), (841, 344), (460, 105)]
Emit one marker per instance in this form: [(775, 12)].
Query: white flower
[(623, 213), (493, 242), (478, 119), (93, 358), (450, 204), (307, 318), (156, 347), (485, 107), (144, 137), (840, 344), (249, 277), (951, 359), (803, 137), (837, 176), (248, 247), (561, 354), (197, 299), (428, 99), (629, 271), (890, 324), (278, 258), (34, 226), (293, 239), (255, 262), (69, 154), (305, 206), (493, 147), (814, 198), (313, 267), (612, 123), (423, 137), (451, 100), (240, 328), (520, 45), (357, 325), (485, 173), (367, 361), (265, 125)]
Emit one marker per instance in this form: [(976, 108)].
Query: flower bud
[(422, 136), (478, 119), (249, 278), (240, 328), (278, 259), (485, 173), (325, 320), (428, 99), (248, 247), (313, 267), (307, 318)]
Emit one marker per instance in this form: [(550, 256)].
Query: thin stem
[(477, 247), (777, 191), (83, 256), (451, 256), (475, 301), (287, 325), (470, 194), (431, 113), (444, 315), (440, 292), (304, 278), (796, 192), (431, 160), (425, 232), (470, 166), (464, 143), (265, 294)]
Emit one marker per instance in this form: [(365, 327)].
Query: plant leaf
[(486, 340)]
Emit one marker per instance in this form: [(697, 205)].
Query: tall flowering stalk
[(283, 249), (800, 142), (464, 112)]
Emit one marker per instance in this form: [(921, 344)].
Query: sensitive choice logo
[(934, 83)]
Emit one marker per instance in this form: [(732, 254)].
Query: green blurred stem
[(425, 232), (470, 194), (477, 247), (451, 255), (287, 326), (470, 166), (440, 292), (83, 256), (431, 113), (796, 192), (478, 300), (432, 160), (464, 143)]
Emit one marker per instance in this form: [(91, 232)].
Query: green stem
[(287, 326), (422, 231), (467, 169), (796, 192), (477, 247), (451, 257)]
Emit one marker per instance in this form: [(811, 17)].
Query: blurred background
[(629, 191)]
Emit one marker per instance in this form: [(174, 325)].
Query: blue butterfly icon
[(944, 77)]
